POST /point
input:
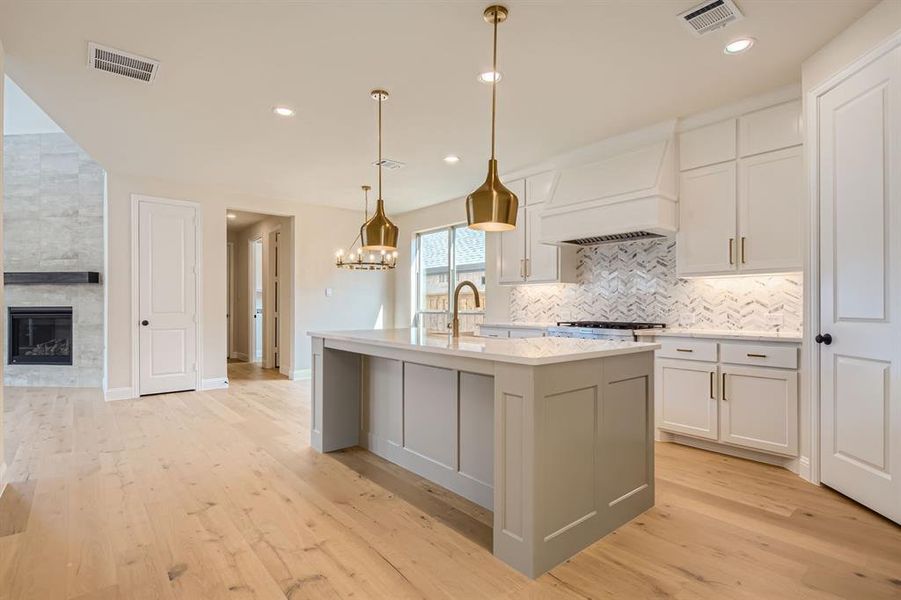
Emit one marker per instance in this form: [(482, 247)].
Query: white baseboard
[(216, 383), (804, 468), (786, 462), (123, 393), (241, 356), (302, 374)]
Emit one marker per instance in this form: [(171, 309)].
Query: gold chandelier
[(492, 207), (379, 234), (362, 259)]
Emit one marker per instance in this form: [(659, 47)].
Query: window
[(452, 254)]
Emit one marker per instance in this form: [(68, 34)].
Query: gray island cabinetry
[(554, 435)]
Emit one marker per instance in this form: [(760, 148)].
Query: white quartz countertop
[(519, 325), (525, 351), (724, 334)]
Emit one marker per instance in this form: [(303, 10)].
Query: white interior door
[(860, 264), (256, 286), (167, 297)]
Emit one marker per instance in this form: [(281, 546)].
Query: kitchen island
[(555, 435)]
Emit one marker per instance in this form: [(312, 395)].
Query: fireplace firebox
[(40, 335)]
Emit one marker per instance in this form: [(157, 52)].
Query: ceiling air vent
[(125, 64), (387, 163), (631, 236), (708, 16)]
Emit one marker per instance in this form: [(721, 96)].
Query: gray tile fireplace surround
[(53, 221)]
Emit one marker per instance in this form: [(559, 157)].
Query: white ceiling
[(574, 73)]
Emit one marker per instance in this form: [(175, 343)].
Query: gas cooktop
[(610, 325)]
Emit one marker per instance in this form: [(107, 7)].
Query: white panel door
[(542, 264), (759, 409), (771, 200), (686, 393), (167, 297), (706, 238), (512, 251), (860, 264)]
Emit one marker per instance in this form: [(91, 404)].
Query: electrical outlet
[(328, 292)]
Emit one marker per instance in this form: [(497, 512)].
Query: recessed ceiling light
[(283, 111), (231, 215), (451, 159), (490, 76), (738, 46)]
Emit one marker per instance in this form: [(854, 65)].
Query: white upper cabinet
[(522, 257), (770, 189), (758, 175), (707, 145), (706, 239), (512, 245), (770, 129)]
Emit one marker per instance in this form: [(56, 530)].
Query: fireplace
[(40, 335)]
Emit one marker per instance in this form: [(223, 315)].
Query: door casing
[(136, 200)]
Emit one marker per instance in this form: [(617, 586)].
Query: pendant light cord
[(380, 143), (494, 86)]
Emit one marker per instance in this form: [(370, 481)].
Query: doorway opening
[(254, 243)]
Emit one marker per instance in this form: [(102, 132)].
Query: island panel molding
[(533, 441), (637, 281)]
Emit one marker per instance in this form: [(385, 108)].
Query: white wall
[(452, 212), (357, 298), (865, 34)]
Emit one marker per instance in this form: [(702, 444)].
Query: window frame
[(450, 273)]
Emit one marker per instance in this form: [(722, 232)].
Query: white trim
[(122, 393), (216, 383), (780, 95), (302, 374), (3, 469), (812, 261), (230, 266), (786, 462), (240, 356), (136, 200)]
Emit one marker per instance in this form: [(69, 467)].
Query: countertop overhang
[(523, 351)]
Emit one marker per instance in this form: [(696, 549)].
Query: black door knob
[(826, 338), (145, 322)]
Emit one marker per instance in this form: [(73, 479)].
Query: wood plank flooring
[(218, 495)]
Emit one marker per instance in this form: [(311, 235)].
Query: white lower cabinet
[(736, 404), (687, 390), (760, 409)]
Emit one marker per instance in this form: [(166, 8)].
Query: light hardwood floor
[(218, 495)]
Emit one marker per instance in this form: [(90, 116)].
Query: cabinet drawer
[(764, 356), (493, 332), (687, 349)]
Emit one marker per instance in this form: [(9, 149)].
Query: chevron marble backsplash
[(636, 281)]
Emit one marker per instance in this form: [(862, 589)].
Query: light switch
[(328, 292)]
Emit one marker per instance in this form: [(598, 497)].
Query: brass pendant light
[(379, 234), (492, 207), (358, 260)]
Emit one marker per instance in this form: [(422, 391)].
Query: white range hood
[(621, 189)]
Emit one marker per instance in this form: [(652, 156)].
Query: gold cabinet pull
[(684, 350), (731, 251), (744, 259), (712, 384), (755, 355), (522, 268), (724, 387)]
